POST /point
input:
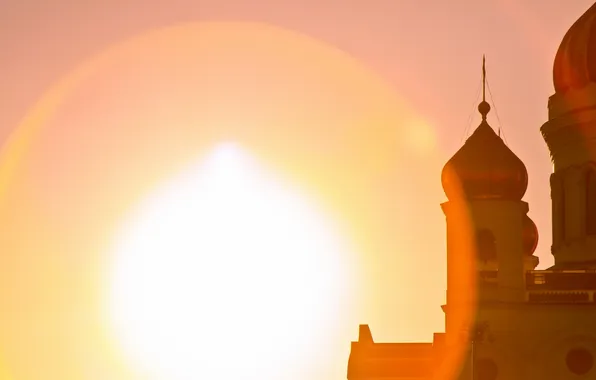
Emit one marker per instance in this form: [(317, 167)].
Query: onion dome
[(484, 167), (529, 236), (575, 62)]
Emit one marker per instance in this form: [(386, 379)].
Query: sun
[(226, 272)]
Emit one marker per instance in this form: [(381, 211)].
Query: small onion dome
[(484, 167), (575, 62), (529, 236)]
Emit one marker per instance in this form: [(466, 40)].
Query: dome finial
[(483, 77), (483, 107)]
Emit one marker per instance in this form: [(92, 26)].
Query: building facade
[(503, 318)]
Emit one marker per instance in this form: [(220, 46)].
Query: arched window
[(591, 203), (486, 245)]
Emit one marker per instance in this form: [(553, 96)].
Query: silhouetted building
[(503, 318)]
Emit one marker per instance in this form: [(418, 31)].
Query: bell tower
[(490, 238), (570, 134)]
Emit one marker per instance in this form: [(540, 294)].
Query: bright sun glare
[(226, 273)]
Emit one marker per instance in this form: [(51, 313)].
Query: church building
[(503, 318)]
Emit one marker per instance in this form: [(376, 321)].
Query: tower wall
[(465, 286), (570, 135)]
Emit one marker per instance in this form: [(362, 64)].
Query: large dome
[(484, 168), (575, 62)]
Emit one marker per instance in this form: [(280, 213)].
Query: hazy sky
[(429, 52)]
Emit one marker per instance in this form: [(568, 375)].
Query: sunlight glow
[(421, 136), (226, 273)]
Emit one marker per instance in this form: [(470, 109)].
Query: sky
[(428, 55)]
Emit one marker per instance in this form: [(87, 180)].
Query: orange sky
[(429, 56)]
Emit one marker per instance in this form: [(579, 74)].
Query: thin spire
[(483, 78), (483, 107)]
